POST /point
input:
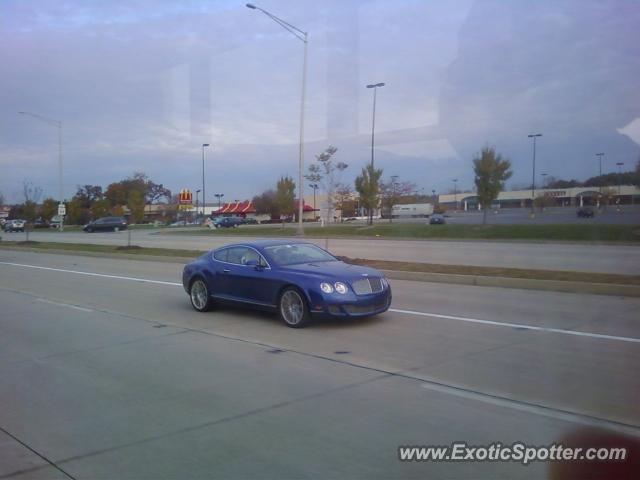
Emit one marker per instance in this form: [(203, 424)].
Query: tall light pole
[(315, 187), (218, 196), (303, 37), (204, 197), (533, 178), (600, 155), (455, 194), (58, 125), (544, 179), (619, 164), (197, 202), (375, 87)]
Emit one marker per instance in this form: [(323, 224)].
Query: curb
[(520, 283)]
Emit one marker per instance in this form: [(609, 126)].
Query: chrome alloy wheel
[(292, 307), (199, 295)]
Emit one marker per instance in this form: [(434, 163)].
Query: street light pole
[(619, 164), (197, 203), (218, 196), (533, 178), (455, 194), (303, 37), (600, 155), (544, 179), (315, 187), (58, 125), (375, 87), (204, 197)]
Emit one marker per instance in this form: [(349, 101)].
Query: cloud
[(140, 85)]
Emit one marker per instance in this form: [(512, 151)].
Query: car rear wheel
[(292, 308), (199, 295)]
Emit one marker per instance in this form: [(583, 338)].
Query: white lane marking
[(395, 310), (541, 410), (60, 304), (519, 325), (91, 274)]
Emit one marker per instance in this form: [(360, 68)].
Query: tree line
[(92, 201)]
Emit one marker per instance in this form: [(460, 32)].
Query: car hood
[(335, 270)]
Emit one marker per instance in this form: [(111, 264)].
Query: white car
[(14, 226)]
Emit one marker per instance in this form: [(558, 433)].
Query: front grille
[(366, 286)]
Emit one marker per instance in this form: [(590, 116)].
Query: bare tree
[(31, 193), (392, 191), (327, 174)]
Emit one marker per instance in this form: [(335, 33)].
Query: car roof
[(266, 243)]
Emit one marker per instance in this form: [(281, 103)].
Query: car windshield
[(298, 253)]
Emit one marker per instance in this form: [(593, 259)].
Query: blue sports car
[(299, 280)]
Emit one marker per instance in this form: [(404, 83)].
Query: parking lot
[(107, 372)]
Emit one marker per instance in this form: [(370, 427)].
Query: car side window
[(238, 254), (221, 255)]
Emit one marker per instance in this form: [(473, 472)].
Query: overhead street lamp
[(58, 125), (303, 37), (218, 196), (544, 179), (204, 198), (315, 187), (375, 87), (619, 164), (533, 178), (455, 194), (600, 155)]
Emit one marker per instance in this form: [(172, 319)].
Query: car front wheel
[(292, 308), (199, 295)]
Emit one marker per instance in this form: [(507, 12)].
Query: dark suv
[(585, 212), (227, 222), (106, 224)]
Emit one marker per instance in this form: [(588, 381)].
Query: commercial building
[(553, 197)]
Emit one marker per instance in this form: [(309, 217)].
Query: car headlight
[(326, 287), (340, 287)]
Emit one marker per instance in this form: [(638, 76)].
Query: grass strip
[(585, 277), (551, 232)]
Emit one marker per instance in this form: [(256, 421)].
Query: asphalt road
[(107, 372), (606, 258)]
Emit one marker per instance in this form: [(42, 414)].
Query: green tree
[(99, 208), (491, 171), (327, 173), (285, 196), (368, 187), (77, 213), (266, 204), (49, 208), (136, 206)]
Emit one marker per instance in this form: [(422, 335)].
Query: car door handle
[(226, 270)]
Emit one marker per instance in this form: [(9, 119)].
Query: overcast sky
[(140, 84)]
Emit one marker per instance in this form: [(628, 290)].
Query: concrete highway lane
[(107, 372), (602, 258)]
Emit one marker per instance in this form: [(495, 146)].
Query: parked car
[(226, 222), (106, 224), (437, 219), (250, 221), (299, 280), (40, 223), (585, 212), (55, 221), (15, 225)]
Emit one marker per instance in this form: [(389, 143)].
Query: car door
[(246, 282)]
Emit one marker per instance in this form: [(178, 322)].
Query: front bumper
[(335, 305)]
